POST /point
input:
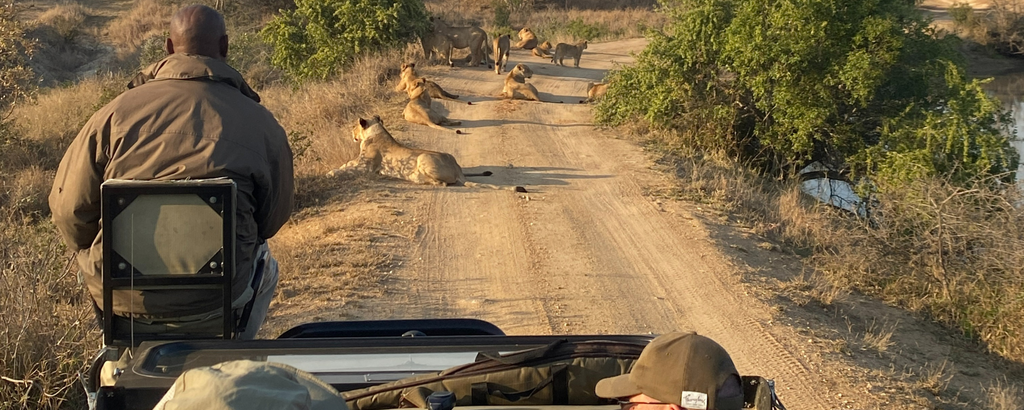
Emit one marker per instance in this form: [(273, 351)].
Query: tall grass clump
[(146, 19), (319, 115)]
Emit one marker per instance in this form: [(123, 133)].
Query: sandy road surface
[(585, 252)]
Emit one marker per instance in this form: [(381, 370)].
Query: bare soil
[(597, 247)]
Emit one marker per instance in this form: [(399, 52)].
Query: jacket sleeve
[(274, 206), (75, 196)]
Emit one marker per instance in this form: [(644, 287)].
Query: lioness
[(418, 110), (527, 40), (595, 91), (409, 78), (563, 50), (473, 38), (501, 45), (543, 50), (379, 153), (516, 86)]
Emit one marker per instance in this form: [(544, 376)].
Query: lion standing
[(473, 38), (419, 111), (409, 78), (501, 46), (563, 50), (379, 153)]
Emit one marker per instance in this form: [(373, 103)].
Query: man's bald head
[(198, 29)]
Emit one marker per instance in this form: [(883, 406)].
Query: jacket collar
[(181, 66)]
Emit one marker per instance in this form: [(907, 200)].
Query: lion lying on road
[(563, 50), (543, 50), (419, 110), (516, 86), (409, 77), (379, 153), (527, 40)]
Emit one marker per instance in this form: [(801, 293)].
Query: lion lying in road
[(379, 153), (516, 86), (527, 40), (543, 50), (419, 111), (409, 77)]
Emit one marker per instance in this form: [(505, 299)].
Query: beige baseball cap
[(683, 368), (250, 385)]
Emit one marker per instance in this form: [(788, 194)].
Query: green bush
[(859, 84), (583, 31), (318, 37)]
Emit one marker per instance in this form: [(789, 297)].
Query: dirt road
[(586, 251)]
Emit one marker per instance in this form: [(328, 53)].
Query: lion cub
[(543, 50), (409, 77), (419, 111), (501, 46), (379, 153), (563, 50), (595, 91), (516, 86)]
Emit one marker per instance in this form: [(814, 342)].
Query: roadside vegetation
[(758, 89)]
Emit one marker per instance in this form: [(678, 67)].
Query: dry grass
[(1002, 395), (148, 18), (320, 116), (934, 378), (47, 329)]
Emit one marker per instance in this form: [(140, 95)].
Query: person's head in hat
[(681, 370)]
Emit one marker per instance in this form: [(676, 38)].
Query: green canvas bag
[(562, 373)]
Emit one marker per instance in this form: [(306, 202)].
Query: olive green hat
[(683, 368), (250, 385)]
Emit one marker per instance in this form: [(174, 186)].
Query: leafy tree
[(862, 84), (318, 37)]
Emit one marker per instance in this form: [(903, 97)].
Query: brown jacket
[(186, 116)]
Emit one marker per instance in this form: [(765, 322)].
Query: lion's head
[(365, 129), (522, 70)]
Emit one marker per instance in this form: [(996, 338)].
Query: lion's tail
[(449, 95), (472, 184)]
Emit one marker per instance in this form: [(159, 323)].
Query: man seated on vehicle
[(189, 116), (681, 370)]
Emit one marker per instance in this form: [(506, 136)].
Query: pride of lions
[(380, 153)]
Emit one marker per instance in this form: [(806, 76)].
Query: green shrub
[(319, 37), (583, 31), (864, 85)]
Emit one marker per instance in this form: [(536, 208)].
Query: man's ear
[(224, 47), (169, 46)]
